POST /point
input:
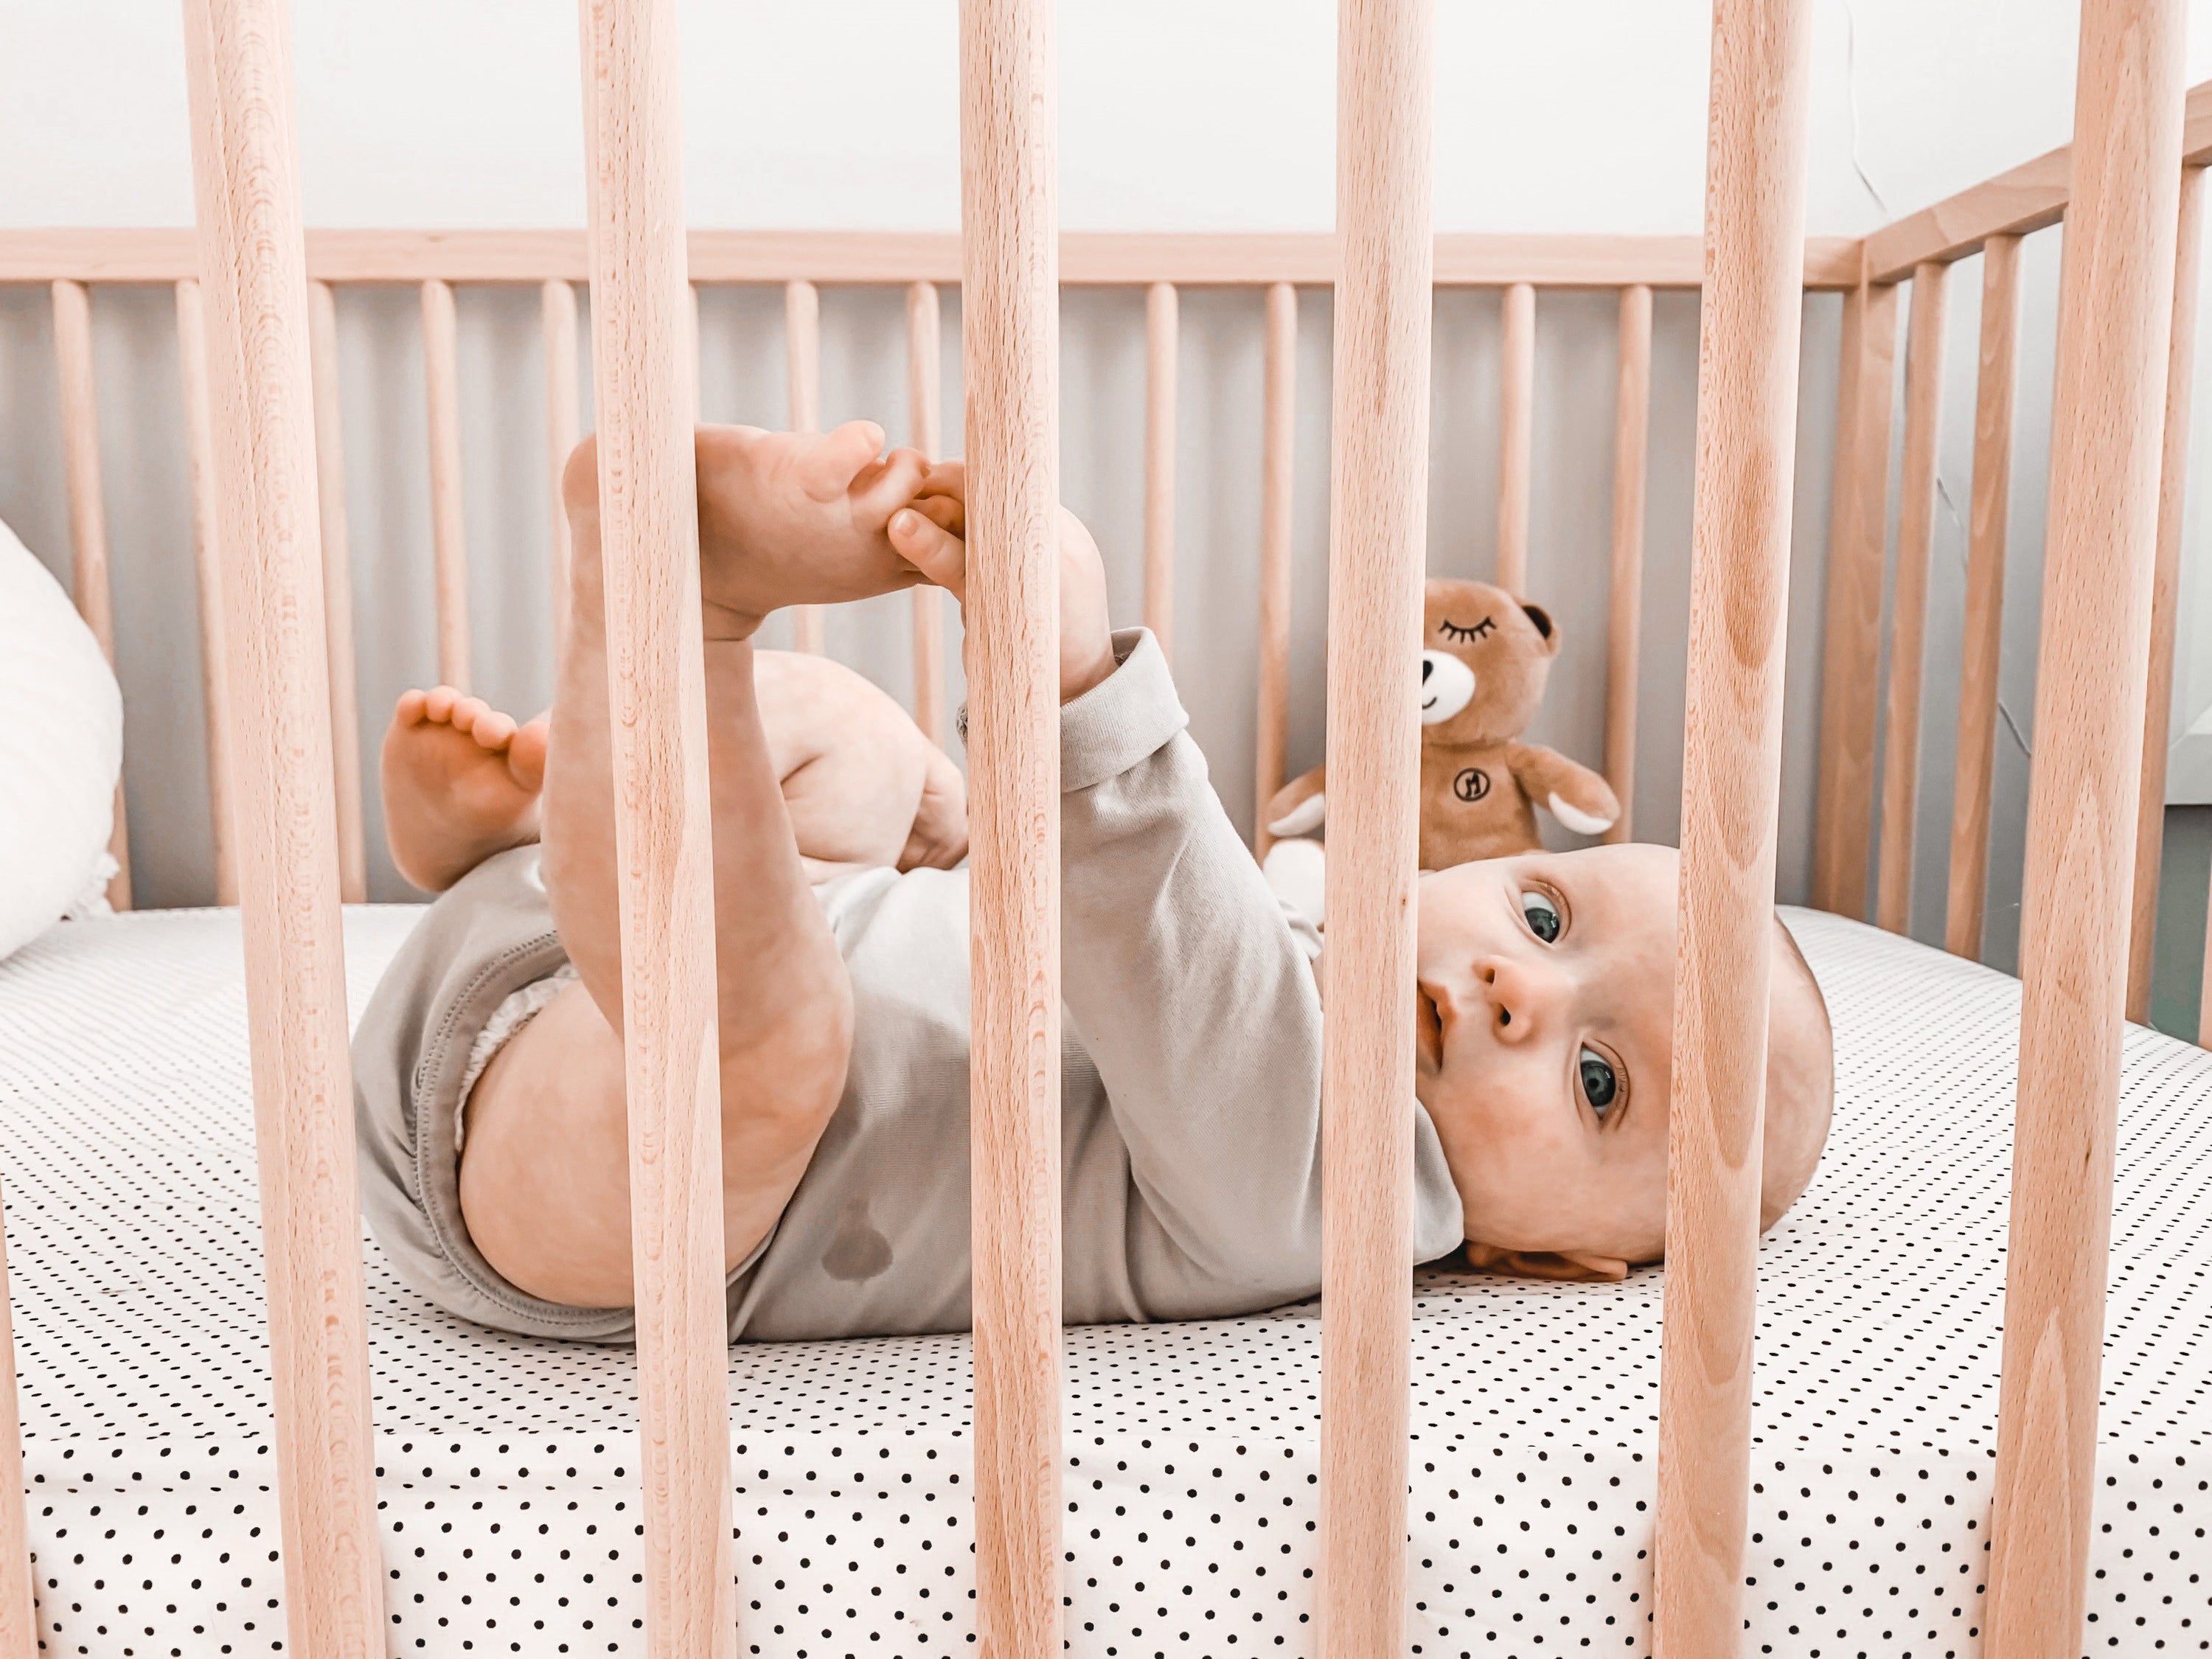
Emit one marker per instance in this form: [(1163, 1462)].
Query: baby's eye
[(1600, 1086), (1543, 915)]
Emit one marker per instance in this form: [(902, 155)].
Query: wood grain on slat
[(1162, 331), (1632, 426), (88, 516), (337, 593), (246, 175), (1516, 442), (1983, 644), (1731, 786), (207, 563), (1009, 334), (1378, 524), (802, 340), (557, 305), (925, 353), (1111, 258), (2115, 317), (1908, 638), (1278, 484), (19, 1617), (2166, 594), (644, 378), (449, 528), (1850, 652)]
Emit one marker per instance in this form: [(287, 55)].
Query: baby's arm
[(1192, 996)]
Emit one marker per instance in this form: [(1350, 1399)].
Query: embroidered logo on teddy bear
[(1471, 785)]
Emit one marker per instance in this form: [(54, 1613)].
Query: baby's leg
[(544, 1182), (863, 787)]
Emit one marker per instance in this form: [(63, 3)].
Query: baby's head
[(1545, 1038)]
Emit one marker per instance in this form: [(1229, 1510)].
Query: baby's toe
[(829, 463), (438, 703)]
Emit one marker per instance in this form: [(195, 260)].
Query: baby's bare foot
[(461, 782), (798, 518)]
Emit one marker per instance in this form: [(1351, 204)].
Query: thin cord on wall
[(1859, 167)]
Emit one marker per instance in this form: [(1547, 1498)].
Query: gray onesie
[(1190, 1072)]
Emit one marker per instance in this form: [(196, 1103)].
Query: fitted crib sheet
[(506, 1466)]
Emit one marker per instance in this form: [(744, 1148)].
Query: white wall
[(1571, 115)]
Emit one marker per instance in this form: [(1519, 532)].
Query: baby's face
[(1544, 1026)]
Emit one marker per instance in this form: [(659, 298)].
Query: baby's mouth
[(1428, 1033)]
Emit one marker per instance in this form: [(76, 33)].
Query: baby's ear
[(1582, 1265)]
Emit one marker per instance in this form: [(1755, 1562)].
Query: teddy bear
[(1487, 658)]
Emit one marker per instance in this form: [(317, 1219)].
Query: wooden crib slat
[(1631, 427), (1516, 445), (19, 1618), (802, 336), (207, 563), (925, 353), (1277, 481), (253, 261), (338, 591), (1163, 329), (88, 514), (645, 375), (1378, 528), (1852, 648), (556, 308), (1731, 784), (1010, 265), (2115, 317), (1916, 540), (1983, 643), (2172, 504), (449, 528)]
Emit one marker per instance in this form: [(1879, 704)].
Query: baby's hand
[(929, 534)]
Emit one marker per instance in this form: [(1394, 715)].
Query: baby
[(490, 1062)]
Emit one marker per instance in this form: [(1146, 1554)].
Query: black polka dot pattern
[(507, 1466)]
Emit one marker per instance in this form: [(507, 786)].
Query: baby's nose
[(1524, 998)]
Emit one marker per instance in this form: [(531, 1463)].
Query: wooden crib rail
[(246, 186), (643, 364), (1010, 335), (2115, 326), (1731, 786), (1378, 528)]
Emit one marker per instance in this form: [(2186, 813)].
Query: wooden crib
[(255, 320)]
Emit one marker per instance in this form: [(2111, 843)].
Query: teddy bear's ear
[(1542, 618)]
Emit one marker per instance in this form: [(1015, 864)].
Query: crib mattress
[(508, 1466)]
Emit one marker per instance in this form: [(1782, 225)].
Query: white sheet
[(507, 1477)]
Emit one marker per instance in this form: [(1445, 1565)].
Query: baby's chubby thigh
[(851, 761)]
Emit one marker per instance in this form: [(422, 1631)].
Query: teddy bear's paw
[(1308, 816), (1582, 823), (1297, 873)]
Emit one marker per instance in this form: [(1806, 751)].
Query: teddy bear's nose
[(1426, 665)]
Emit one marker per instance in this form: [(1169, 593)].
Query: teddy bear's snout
[(1447, 686)]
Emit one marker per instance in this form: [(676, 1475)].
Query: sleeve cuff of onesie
[(1127, 717)]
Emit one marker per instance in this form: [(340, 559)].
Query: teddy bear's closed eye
[(1481, 631)]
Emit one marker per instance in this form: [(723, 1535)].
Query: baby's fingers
[(931, 549)]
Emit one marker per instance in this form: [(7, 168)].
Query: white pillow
[(61, 751)]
